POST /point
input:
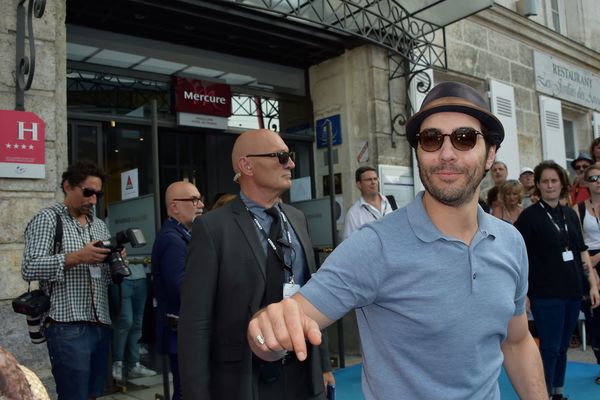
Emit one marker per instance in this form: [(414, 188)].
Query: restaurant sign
[(566, 81)]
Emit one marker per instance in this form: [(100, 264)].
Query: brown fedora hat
[(456, 97)]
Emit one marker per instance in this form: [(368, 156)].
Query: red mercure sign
[(22, 146), (202, 97)]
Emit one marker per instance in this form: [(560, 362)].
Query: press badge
[(290, 289), (95, 272), (567, 255)]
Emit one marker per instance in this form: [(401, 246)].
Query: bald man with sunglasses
[(243, 256), (440, 295)]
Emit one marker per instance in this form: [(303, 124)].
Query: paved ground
[(151, 388)]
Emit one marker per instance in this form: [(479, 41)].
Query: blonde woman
[(589, 215), (510, 194)]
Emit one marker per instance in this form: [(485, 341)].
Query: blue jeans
[(555, 321), (128, 323), (79, 357)]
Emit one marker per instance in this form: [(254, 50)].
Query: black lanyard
[(288, 235), (366, 207), (565, 237)]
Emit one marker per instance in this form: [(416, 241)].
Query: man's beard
[(456, 196)]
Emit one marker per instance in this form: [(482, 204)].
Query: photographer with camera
[(76, 278)]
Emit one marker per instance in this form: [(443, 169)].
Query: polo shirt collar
[(384, 201), (426, 231)]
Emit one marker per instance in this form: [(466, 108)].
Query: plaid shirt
[(73, 288)]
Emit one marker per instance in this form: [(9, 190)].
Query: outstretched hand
[(282, 327)]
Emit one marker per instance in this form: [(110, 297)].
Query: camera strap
[(58, 237), (57, 246)]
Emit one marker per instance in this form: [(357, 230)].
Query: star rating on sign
[(17, 146)]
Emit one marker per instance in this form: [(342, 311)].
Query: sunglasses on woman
[(592, 178), (87, 192), (282, 156), (462, 139)]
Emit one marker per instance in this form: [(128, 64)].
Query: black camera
[(118, 266), (32, 303)]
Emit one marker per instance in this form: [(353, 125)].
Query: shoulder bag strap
[(581, 212)]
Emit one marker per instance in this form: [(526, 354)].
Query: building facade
[(104, 85)]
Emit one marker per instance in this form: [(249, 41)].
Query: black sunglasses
[(194, 200), (282, 156), (462, 139), (581, 166), (592, 178), (87, 192)]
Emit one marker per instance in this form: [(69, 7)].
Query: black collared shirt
[(549, 275)]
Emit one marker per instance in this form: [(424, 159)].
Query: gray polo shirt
[(432, 311)]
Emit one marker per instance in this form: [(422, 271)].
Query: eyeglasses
[(462, 139), (592, 178), (194, 200), (581, 167), (282, 156), (87, 192)]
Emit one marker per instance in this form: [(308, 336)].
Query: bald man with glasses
[(242, 256), (184, 204)]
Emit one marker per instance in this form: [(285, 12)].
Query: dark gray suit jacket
[(223, 286)]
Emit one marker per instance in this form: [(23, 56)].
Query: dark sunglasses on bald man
[(592, 178), (462, 139), (282, 156), (87, 192)]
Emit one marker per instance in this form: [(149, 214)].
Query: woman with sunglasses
[(557, 253), (510, 194), (589, 215)]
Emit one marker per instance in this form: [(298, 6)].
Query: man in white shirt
[(371, 205)]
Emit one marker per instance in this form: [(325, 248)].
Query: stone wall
[(21, 198), (499, 44), (355, 85)]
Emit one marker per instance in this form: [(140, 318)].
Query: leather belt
[(50, 321)]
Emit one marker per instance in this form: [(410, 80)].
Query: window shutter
[(502, 98), (596, 124), (416, 99), (553, 139)]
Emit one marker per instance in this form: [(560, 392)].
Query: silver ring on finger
[(260, 339)]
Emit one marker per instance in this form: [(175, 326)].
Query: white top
[(362, 213), (591, 231)]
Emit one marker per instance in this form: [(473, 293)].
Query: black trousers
[(293, 382)]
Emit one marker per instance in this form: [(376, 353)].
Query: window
[(557, 14), (570, 139)]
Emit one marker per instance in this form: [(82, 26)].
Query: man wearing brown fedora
[(442, 273)]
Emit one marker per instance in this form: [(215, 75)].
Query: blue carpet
[(579, 383)]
